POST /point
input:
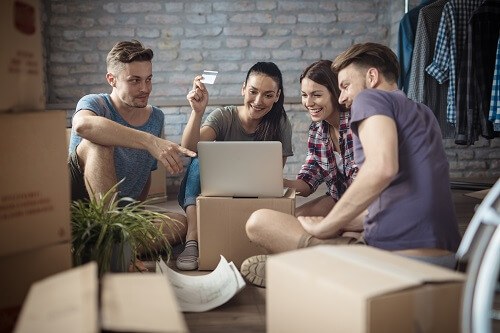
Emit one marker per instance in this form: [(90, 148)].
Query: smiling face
[(317, 99), (352, 80), (259, 95), (133, 84)]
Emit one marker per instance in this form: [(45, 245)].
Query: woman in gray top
[(262, 117)]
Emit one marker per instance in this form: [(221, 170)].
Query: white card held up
[(209, 76)]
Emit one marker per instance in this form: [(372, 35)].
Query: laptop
[(241, 168)]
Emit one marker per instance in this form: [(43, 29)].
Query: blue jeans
[(190, 187)]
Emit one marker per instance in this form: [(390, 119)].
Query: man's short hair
[(126, 52), (368, 55)]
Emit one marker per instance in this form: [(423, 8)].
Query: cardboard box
[(359, 289), (21, 61), (221, 226), (158, 188), (68, 302), (20, 270), (35, 190)]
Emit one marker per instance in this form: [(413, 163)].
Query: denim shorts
[(78, 189)]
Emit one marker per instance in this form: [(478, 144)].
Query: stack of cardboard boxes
[(35, 229)]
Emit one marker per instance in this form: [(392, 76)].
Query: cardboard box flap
[(65, 302), (140, 303), (397, 272), (367, 271)]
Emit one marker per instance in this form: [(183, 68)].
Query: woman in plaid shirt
[(330, 151)]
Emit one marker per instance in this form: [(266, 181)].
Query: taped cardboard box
[(130, 302), (21, 61), (359, 289), (35, 190), (21, 270), (221, 226)]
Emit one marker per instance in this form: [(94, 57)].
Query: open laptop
[(241, 168)]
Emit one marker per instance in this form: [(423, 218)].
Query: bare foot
[(138, 266)]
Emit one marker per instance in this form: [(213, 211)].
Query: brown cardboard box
[(34, 178), (158, 189), (21, 62), (359, 289), (221, 226), (20, 270), (68, 302)]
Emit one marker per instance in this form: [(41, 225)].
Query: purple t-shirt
[(416, 210)]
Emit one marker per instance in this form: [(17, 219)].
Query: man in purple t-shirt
[(403, 178)]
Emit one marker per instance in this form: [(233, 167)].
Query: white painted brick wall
[(228, 36)]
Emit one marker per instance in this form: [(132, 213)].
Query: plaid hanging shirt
[(321, 166), (451, 39)]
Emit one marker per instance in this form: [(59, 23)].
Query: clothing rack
[(461, 185)]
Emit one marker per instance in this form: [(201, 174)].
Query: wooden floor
[(246, 312)]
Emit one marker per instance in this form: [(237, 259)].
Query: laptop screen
[(241, 168)]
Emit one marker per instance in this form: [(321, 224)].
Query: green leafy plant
[(113, 231)]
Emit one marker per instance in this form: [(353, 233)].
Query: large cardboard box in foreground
[(21, 270), (130, 302), (359, 289), (21, 61), (34, 178), (221, 226)]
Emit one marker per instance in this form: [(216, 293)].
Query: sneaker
[(253, 270), (188, 259)]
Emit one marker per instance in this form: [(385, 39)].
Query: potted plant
[(113, 231)]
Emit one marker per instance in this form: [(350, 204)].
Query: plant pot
[(121, 257)]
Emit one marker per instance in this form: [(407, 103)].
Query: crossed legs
[(280, 232)]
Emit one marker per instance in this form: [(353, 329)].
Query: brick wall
[(228, 36)]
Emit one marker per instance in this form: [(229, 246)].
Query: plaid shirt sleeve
[(440, 66)]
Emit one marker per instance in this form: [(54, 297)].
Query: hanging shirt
[(406, 39), (476, 74), (422, 87), (449, 44)]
